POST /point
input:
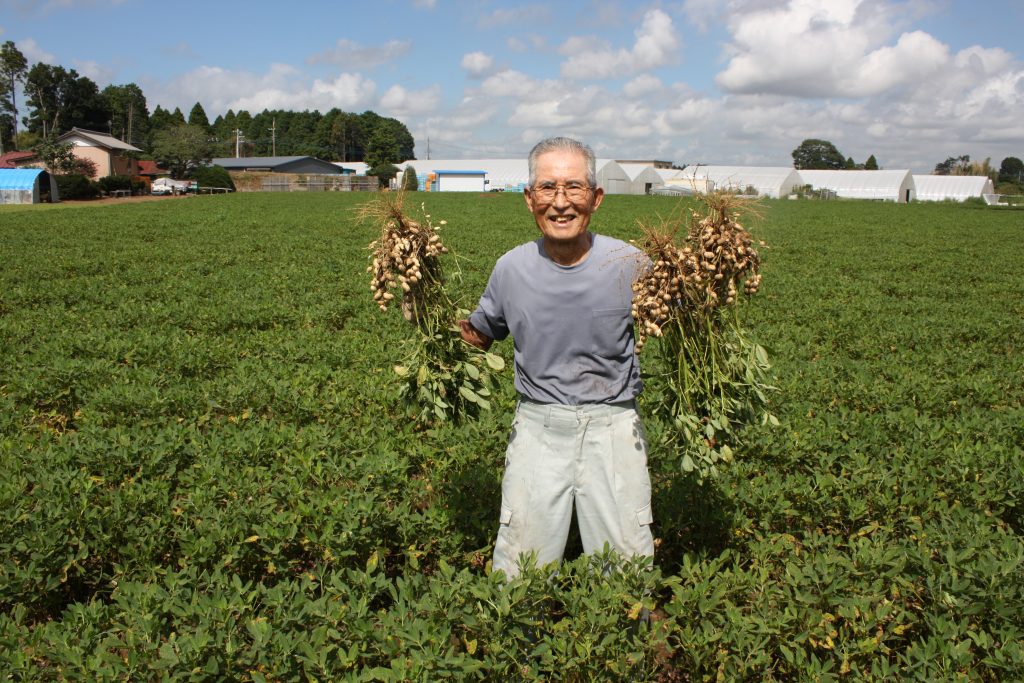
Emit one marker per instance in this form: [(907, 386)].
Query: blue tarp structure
[(27, 186)]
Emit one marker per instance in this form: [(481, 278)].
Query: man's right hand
[(473, 336)]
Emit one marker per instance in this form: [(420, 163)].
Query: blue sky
[(708, 81)]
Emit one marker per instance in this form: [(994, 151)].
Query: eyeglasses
[(574, 192)]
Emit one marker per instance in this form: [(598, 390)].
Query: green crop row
[(206, 473)]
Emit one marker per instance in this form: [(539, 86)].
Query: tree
[(61, 160), (61, 100), (1011, 170), (871, 164), (13, 67), (182, 148), (976, 168), (384, 172), (409, 181), (817, 154), (953, 165), (197, 117), (345, 133), (129, 115), (850, 164)]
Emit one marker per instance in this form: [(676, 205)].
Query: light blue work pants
[(594, 455)]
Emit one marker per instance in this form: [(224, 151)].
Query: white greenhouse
[(612, 177), (767, 181), (643, 178), (936, 188), (890, 186), (677, 181)]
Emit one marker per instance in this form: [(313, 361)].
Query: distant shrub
[(212, 176), (77, 187), (409, 181), (115, 182)]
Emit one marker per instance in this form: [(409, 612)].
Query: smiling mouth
[(562, 220)]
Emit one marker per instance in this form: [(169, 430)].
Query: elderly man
[(565, 299)]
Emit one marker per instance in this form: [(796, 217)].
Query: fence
[(317, 183)]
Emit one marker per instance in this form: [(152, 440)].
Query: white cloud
[(402, 103), (544, 114), (477, 64), (643, 84), (813, 48), (95, 71), (34, 53), (425, 4), (349, 54), (531, 42), (656, 45), (515, 84), (282, 87)]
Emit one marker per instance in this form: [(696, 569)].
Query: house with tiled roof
[(111, 156), (151, 169), (20, 160)]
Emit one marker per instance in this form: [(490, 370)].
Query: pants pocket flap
[(506, 515), (644, 516)]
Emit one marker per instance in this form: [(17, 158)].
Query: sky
[(732, 82)]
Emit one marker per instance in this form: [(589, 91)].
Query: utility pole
[(273, 137), (428, 147), (239, 138)]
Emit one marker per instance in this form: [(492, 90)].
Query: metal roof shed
[(286, 164), (458, 180), (936, 188), (890, 186), (27, 186)]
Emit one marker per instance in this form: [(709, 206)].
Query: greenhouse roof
[(18, 178), (861, 184), (958, 187)]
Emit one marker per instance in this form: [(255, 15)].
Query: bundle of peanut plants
[(442, 377), (709, 380)]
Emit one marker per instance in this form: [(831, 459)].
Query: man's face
[(564, 217)]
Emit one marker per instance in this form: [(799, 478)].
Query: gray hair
[(560, 144)]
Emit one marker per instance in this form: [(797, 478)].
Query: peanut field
[(206, 473)]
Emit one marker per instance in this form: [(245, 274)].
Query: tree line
[(822, 154), (58, 99)]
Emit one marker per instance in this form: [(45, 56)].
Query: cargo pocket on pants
[(644, 516)]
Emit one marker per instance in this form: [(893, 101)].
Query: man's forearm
[(473, 336)]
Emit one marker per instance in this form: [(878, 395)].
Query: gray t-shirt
[(571, 325)]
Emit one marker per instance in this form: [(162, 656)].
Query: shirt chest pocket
[(612, 332)]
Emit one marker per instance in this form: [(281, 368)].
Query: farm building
[(612, 177), (458, 180), (292, 164), (890, 186), (352, 167), (643, 177), (108, 153), (27, 186), (513, 175), (936, 188), (501, 175), (20, 160), (767, 181)]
